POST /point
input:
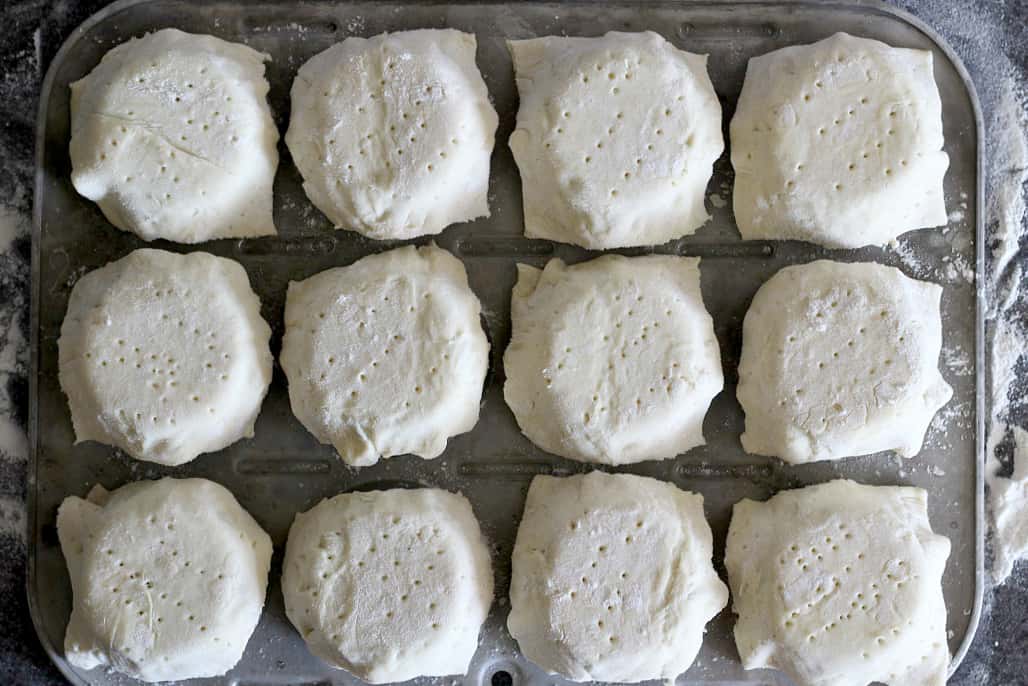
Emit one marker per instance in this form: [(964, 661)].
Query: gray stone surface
[(991, 36)]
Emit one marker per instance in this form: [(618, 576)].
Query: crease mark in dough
[(153, 130)]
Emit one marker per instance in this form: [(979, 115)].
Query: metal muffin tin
[(284, 470)]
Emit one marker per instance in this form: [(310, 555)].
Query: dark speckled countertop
[(991, 36)]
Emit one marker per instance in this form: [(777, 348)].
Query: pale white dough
[(612, 578), (838, 143), (840, 584), (613, 360), (389, 585), (164, 356), (386, 356), (393, 134), (616, 138), (168, 578), (840, 360), (171, 135)]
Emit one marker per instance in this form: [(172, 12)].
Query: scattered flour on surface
[(958, 267), (955, 266), (12, 518), (14, 444), (915, 266), (1007, 345), (13, 346), (12, 225), (958, 361), (1007, 210), (1009, 501), (13, 351), (355, 25), (954, 415), (1007, 217)]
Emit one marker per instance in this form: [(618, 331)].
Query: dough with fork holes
[(389, 585), (612, 578), (164, 355), (172, 136), (613, 360), (840, 359), (393, 134), (168, 578), (386, 356), (839, 584), (838, 143), (615, 140)]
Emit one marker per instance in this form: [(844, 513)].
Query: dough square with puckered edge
[(386, 356), (389, 585), (840, 360), (840, 584), (613, 360), (612, 578), (393, 134), (168, 578), (171, 135), (164, 355), (616, 138), (838, 143)]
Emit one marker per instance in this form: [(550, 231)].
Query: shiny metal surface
[(284, 470)]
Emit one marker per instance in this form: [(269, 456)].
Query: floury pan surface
[(284, 470)]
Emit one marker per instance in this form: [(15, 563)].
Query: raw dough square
[(389, 585), (838, 143), (164, 355), (612, 578), (393, 134), (168, 579), (616, 138), (386, 356), (172, 136), (613, 360), (840, 359), (840, 584)]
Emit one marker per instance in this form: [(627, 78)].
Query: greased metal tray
[(284, 470)]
